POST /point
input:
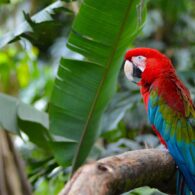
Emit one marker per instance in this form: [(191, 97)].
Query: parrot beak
[(131, 71), (128, 69)]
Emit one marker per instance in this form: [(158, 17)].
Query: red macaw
[(169, 107)]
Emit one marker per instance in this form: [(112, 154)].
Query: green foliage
[(15, 115), (4, 1), (19, 69), (9, 113), (12, 66), (52, 186), (68, 1), (42, 26), (144, 191), (59, 147), (115, 112), (91, 82)]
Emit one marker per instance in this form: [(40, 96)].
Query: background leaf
[(42, 26), (4, 1), (8, 113), (116, 110), (145, 191), (31, 120), (58, 151), (15, 115)]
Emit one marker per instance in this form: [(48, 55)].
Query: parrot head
[(146, 64)]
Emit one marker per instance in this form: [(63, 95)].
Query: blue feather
[(176, 132), (181, 186)]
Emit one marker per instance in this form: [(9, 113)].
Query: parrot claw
[(163, 148)]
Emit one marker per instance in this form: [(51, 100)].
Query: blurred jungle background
[(33, 38)]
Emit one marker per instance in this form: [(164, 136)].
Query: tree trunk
[(13, 180)]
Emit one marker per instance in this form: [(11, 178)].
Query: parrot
[(169, 107)]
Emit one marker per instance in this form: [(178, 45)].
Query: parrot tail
[(181, 186)]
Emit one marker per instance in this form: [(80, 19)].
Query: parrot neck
[(168, 86), (147, 82), (145, 88)]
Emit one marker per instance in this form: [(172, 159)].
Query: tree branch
[(121, 173)]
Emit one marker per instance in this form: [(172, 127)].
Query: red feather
[(160, 73)]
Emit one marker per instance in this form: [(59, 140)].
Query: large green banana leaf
[(102, 32)]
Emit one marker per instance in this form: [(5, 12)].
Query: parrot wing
[(171, 112)]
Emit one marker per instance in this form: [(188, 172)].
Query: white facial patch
[(140, 62), (128, 69)]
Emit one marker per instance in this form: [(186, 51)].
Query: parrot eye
[(140, 57), (139, 61)]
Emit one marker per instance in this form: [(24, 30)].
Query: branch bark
[(12, 176), (121, 173)]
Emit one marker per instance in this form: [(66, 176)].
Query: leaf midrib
[(107, 68)]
